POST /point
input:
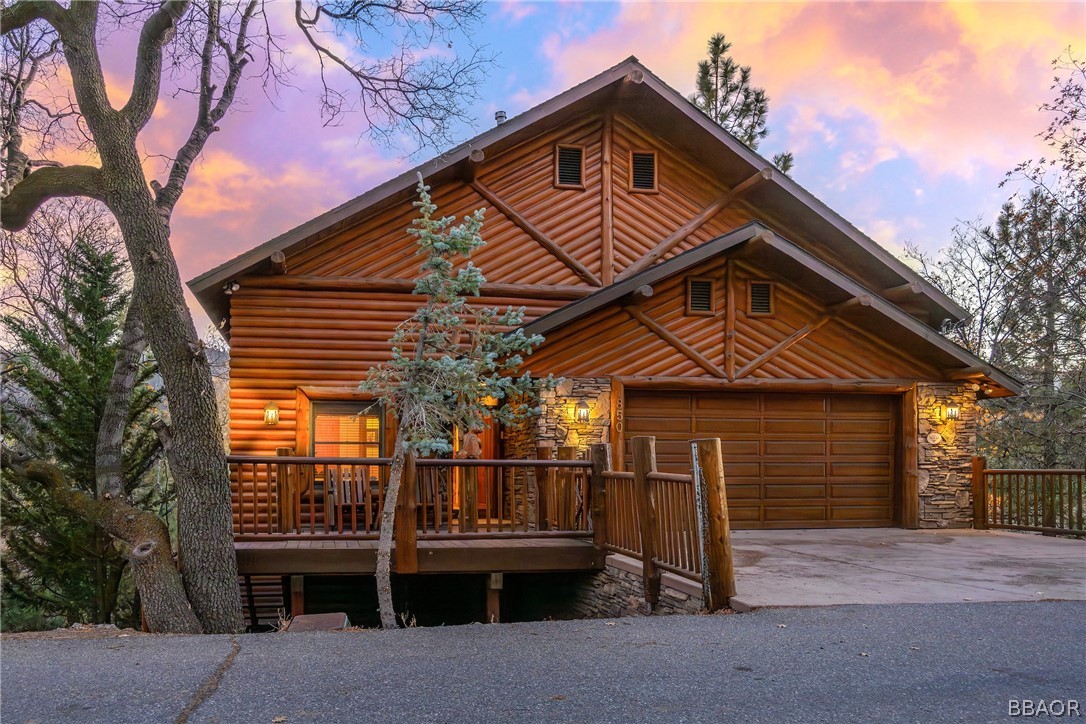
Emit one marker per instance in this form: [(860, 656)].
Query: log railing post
[(407, 551), (601, 463), (1050, 486), (566, 497), (543, 485), (644, 462), (980, 494), (284, 491), (714, 528)]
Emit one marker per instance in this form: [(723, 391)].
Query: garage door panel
[(850, 513), (794, 514), (794, 427), (790, 461), (861, 448), (865, 428), (793, 470), (795, 491), (809, 448), (721, 427)]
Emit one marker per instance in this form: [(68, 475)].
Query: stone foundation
[(945, 449), (617, 591)]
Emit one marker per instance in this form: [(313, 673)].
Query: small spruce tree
[(58, 376), (446, 358)]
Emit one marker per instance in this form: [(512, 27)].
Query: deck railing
[(289, 496), (1052, 502)]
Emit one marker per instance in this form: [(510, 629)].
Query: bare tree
[(407, 91)]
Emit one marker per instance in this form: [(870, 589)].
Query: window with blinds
[(699, 297), (347, 430), (569, 167), (643, 171), (761, 299)]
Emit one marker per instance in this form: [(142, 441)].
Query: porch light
[(583, 411), (951, 412), (489, 401), (271, 414)]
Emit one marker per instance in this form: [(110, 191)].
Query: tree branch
[(157, 31), (109, 469), (44, 184), (25, 12)]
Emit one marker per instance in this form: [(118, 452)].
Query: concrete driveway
[(886, 565)]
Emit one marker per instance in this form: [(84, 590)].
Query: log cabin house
[(685, 289)]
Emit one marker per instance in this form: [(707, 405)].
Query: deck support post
[(714, 528), (544, 484), (980, 495), (601, 463), (494, 583), (644, 462), (407, 547), (297, 596), (565, 495), (284, 492)]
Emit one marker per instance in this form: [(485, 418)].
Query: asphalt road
[(941, 662)]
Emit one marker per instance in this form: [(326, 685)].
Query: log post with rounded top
[(714, 528)]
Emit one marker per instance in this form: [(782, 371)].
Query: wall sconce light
[(271, 414), (489, 401), (583, 411), (951, 412)]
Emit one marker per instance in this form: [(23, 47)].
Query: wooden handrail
[(420, 462)]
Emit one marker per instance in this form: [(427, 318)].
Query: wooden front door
[(790, 460)]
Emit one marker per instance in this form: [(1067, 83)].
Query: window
[(642, 171), (699, 297), (760, 299), (569, 167), (347, 429)]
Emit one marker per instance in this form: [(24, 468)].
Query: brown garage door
[(790, 461)]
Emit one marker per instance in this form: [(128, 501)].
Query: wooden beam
[(718, 567), (863, 300), (643, 292), (528, 228), (769, 384), (902, 291), (747, 249), (601, 463), (297, 596), (722, 202), (607, 202), (278, 262), (980, 493), (795, 338), (407, 286), (729, 320), (910, 469), (644, 462), (669, 337), (968, 373), (494, 584), (618, 424), (471, 166), (406, 545)]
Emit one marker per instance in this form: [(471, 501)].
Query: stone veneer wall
[(617, 591), (557, 422), (946, 450)]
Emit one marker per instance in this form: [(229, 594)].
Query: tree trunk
[(384, 545)]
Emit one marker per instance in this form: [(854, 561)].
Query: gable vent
[(643, 169), (761, 298), (569, 170), (699, 296)]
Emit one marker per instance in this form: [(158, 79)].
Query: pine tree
[(724, 92), (58, 375), (446, 358)]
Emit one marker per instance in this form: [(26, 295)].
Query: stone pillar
[(946, 449)]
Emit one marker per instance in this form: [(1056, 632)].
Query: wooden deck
[(485, 555)]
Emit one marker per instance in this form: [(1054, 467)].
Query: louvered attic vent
[(699, 297), (761, 298), (643, 171), (569, 167)]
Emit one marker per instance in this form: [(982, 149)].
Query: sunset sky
[(903, 117)]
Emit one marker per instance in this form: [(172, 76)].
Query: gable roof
[(812, 274), (704, 137)]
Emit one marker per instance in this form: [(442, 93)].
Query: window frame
[(655, 171), (772, 298), (690, 311), (343, 407), (557, 153)]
